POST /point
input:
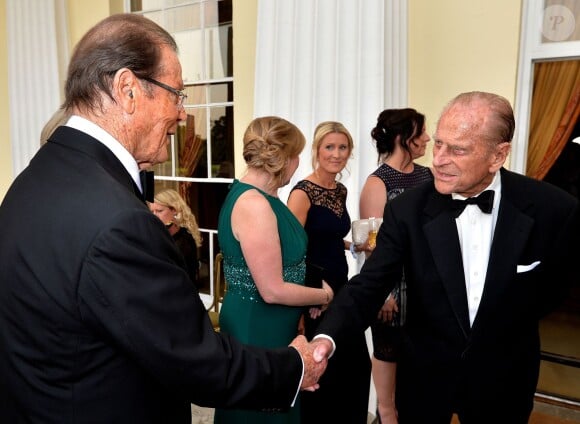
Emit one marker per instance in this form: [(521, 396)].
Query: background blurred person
[(57, 119), (264, 247), (98, 319), (319, 203), (400, 138), (175, 213)]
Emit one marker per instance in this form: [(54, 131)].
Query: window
[(201, 163)]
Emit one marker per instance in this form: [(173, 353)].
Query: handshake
[(315, 358)]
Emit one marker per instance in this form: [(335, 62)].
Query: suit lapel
[(441, 234), (80, 141), (510, 236), (509, 240)]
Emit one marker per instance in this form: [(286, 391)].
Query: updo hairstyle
[(407, 124), (269, 143)]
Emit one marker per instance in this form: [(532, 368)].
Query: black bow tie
[(147, 185), (484, 201)]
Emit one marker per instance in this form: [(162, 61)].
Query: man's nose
[(439, 156)]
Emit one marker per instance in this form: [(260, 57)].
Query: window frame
[(207, 106)]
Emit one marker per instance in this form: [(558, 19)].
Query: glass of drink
[(360, 229), (372, 234), (364, 231)]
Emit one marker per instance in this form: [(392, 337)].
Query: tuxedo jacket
[(447, 364), (99, 321)]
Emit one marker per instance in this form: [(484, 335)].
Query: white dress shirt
[(110, 142), (475, 230)]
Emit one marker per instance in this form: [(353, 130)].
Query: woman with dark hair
[(400, 138)]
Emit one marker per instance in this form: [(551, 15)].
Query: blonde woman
[(58, 118), (174, 212), (319, 203)]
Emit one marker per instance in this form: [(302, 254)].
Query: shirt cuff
[(300, 382)]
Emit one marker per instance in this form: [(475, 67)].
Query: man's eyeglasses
[(181, 96)]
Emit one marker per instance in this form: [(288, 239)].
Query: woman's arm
[(299, 204), (373, 198), (255, 226)]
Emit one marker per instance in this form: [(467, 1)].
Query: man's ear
[(500, 155), (125, 89)]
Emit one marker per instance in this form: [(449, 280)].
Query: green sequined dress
[(244, 314)]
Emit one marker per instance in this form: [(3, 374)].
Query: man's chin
[(443, 188), (161, 158)]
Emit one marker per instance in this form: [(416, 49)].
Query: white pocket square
[(526, 268)]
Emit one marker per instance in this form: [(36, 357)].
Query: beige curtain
[(555, 109)]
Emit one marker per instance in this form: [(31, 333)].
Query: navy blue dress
[(344, 387)]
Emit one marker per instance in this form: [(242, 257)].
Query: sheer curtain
[(555, 110), (343, 60), (36, 53)]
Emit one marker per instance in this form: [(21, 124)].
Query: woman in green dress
[(264, 249)]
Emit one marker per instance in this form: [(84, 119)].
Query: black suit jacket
[(99, 321), (448, 365)]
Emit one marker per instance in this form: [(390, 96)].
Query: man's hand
[(313, 366), (323, 348)]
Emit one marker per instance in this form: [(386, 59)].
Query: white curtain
[(35, 30), (343, 60)]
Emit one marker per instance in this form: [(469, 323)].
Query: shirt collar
[(92, 129)]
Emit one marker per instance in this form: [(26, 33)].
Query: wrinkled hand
[(314, 365), (322, 348), (389, 307)]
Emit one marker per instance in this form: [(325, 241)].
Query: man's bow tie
[(147, 185), (484, 201)]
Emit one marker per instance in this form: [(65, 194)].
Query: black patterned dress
[(344, 387), (386, 336), (188, 249)]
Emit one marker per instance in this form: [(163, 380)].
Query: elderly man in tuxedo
[(486, 254), (99, 321)]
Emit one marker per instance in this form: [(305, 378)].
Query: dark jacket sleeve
[(134, 292)]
